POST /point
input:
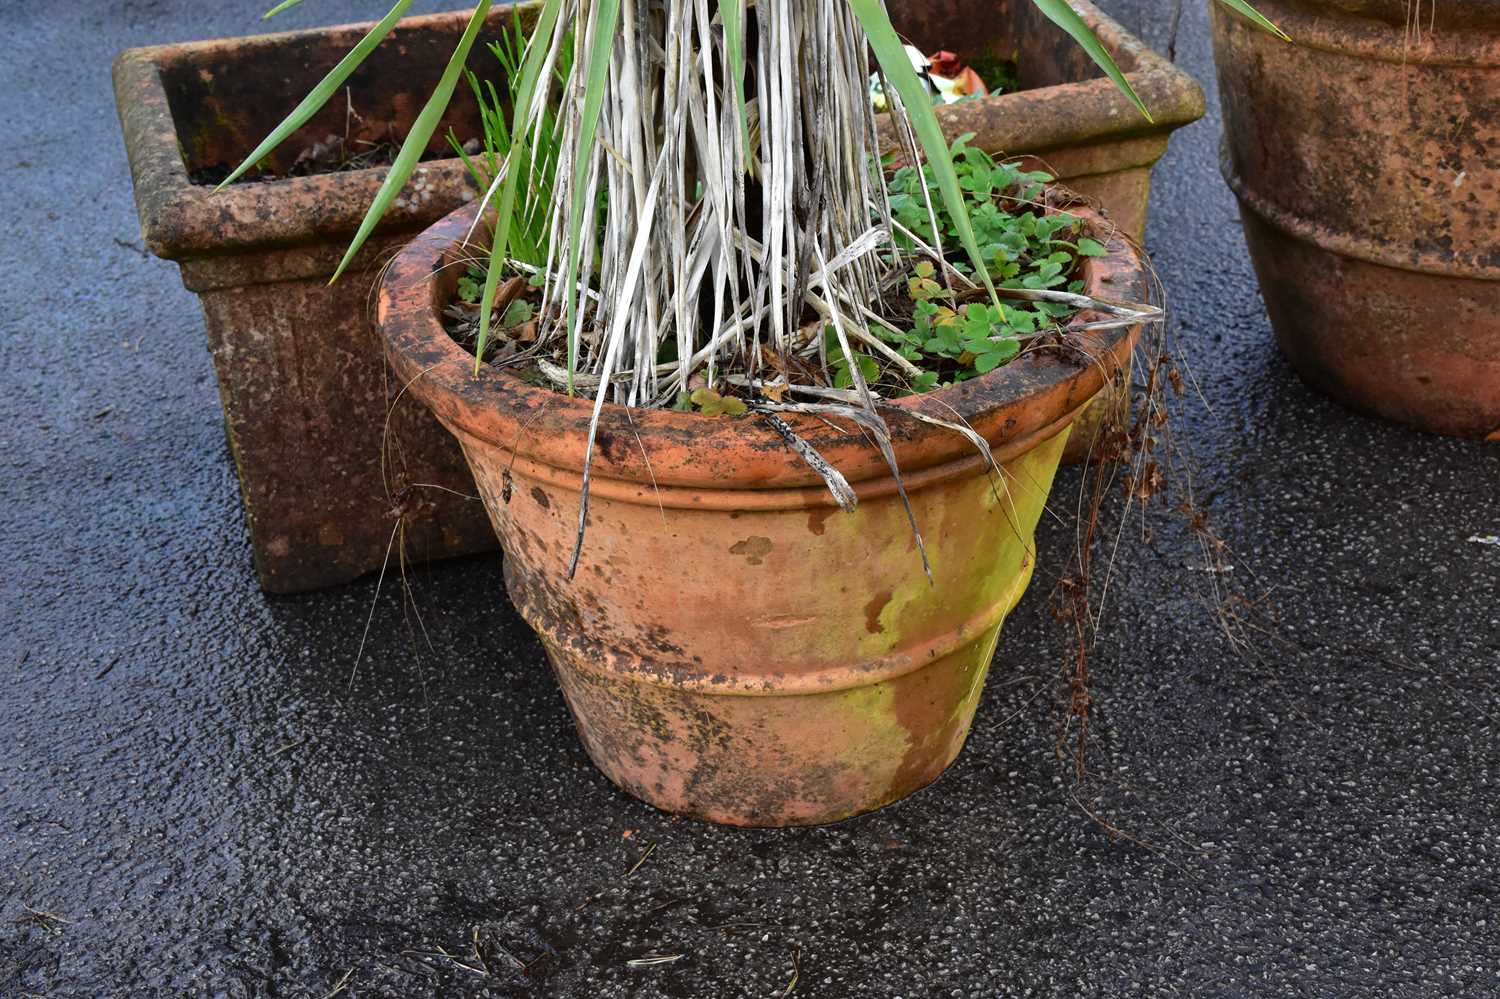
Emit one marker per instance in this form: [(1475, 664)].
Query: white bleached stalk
[(692, 245), (716, 278)]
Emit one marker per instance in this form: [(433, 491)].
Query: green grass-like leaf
[(416, 140), (898, 70), (1256, 18), (525, 91), (1060, 13), (284, 5), (734, 49), (528, 234), (320, 94), (601, 45)]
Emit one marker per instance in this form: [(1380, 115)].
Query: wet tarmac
[(200, 795)]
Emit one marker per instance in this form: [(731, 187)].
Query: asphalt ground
[(210, 801)]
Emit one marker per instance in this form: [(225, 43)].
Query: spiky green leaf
[(1060, 13), (1256, 18), (734, 50), (320, 94), (416, 140), (524, 93), (596, 67), (284, 5)]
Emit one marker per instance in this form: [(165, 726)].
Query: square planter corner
[(330, 454)]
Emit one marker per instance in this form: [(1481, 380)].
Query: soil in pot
[(332, 154)]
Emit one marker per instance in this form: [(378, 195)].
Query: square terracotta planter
[(325, 475)]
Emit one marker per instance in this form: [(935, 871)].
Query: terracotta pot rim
[(1010, 407), (787, 498)]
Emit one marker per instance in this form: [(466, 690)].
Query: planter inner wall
[(226, 97)]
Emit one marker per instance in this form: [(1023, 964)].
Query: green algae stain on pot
[(873, 732), (1021, 503), (982, 546)]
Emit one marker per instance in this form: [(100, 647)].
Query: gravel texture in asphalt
[(210, 801)]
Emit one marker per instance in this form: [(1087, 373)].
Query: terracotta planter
[(1367, 164), (733, 646), (323, 473)]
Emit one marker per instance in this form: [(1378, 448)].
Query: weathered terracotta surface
[(1069, 120), (325, 475), (733, 646), (1367, 163)]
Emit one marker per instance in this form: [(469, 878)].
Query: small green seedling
[(516, 313), (843, 375), (921, 285), (988, 336), (471, 286), (711, 403)]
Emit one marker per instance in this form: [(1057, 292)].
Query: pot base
[(748, 760)]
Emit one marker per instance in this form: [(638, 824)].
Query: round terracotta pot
[(1366, 158), (733, 646)]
